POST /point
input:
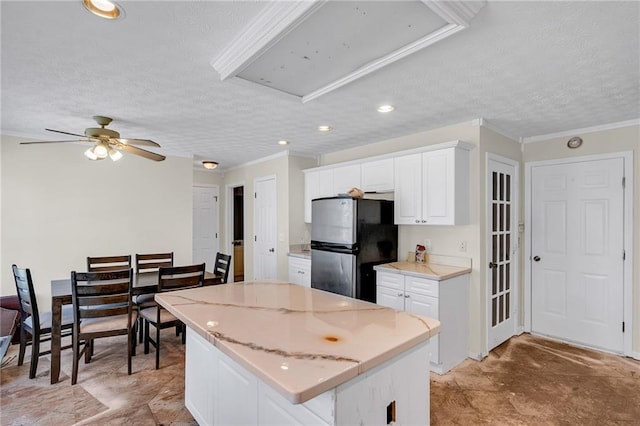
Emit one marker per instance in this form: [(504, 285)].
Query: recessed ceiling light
[(283, 142), (386, 108), (103, 8), (209, 165), (324, 128)]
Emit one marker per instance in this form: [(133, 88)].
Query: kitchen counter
[(431, 270), (302, 251), (325, 339)]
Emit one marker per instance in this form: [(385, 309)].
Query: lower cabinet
[(446, 301), (300, 271)]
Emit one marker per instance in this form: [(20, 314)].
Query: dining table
[(143, 283)]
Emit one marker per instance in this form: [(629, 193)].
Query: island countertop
[(300, 341), (434, 271)]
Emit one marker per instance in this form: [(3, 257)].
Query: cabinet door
[(200, 378), (408, 189), (300, 271), (311, 191), (325, 183), (233, 380), (345, 178), (428, 307), (438, 171), (377, 176), (389, 297)]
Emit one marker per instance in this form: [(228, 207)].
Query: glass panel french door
[(502, 228)]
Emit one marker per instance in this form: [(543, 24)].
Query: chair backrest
[(26, 295), (108, 263), (180, 277), (151, 262), (222, 266), (101, 294)]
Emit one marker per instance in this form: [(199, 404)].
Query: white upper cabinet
[(430, 184), (377, 176), (345, 178), (432, 188)]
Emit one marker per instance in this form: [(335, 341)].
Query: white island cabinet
[(263, 353), (436, 291)]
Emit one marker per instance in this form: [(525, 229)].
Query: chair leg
[(35, 354), (184, 333), (178, 330), (141, 322), (131, 338), (157, 346), (23, 345), (134, 341), (146, 337), (88, 351), (76, 358)]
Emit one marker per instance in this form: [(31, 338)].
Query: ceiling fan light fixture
[(90, 154), (114, 154), (103, 8), (100, 150), (210, 165)]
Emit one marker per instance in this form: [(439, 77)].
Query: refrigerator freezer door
[(334, 221), (334, 272)]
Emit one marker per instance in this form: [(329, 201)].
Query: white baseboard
[(635, 355), (477, 356)]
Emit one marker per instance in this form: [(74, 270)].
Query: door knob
[(536, 258), (492, 265), (271, 250)]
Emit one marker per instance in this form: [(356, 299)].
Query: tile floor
[(526, 381)]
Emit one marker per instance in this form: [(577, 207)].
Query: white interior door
[(501, 251), (265, 254), (205, 225), (577, 252)]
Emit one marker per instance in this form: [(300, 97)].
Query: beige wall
[(299, 231), (208, 178), (59, 208), (616, 140)]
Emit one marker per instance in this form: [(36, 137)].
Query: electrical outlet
[(427, 245), (463, 246)]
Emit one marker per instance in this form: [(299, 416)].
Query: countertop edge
[(383, 268)]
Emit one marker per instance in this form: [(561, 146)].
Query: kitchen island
[(279, 353)]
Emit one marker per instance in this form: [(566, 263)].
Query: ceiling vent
[(310, 48)]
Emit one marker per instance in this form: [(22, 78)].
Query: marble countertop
[(300, 341), (434, 271)]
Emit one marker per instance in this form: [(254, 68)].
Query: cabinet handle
[(406, 296), (400, 294), (301, 272), (424, 221), (417, 221)]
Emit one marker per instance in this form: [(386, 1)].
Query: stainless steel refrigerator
[(348, 238)]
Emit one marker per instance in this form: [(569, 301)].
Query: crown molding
[(458, 12), (271, 24), (592, 129), (284, 153), (483, 122)]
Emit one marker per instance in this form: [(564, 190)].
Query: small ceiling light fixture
[(210, 165), (574, 142), (103, 8), (386, 108), (324, 128), (283, 142)]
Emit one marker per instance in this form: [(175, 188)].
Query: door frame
[(228, 222), (627, 236), (517, 328), (277, 253), (210, 185)]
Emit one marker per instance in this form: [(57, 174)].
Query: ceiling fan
[(107, 142)]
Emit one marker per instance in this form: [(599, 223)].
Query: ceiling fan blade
[(141, 152), (66, 133), (143, 142), (75, 140)]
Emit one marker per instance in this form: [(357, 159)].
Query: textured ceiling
[(528, 68)]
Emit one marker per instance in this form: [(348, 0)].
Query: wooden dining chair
[(34, 322), (102, 307), (222, 266), (108, 263), (149, 263), (169, 279)]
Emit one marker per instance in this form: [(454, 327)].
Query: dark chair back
[(108, 263), (26, 297), (101, 294), (222, 266), (151, 262), (180, 277)]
